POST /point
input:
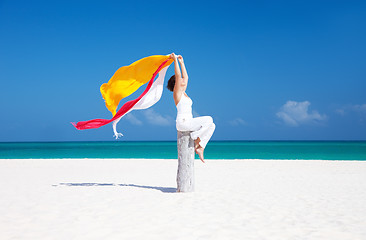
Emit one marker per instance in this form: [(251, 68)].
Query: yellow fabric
[(126, 80)]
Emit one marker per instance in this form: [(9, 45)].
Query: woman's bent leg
[(206, 134), (193, 124), (202, 127), (198, 125)]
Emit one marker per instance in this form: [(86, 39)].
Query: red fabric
[(96, 123)]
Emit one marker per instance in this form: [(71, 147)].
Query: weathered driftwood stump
[(185, 174)]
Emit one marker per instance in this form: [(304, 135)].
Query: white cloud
[(341, 111), (237, 122), (359, 108), (156, 118), (132, 119), (295, 113)]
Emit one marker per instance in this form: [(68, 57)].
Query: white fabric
[(202, 127), (150, 98)]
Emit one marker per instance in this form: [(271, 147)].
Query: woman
[(201, 128)]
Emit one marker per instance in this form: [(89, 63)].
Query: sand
[(136, 199)]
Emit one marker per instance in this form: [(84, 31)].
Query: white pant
[(202, 127)]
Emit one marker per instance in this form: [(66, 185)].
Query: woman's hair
[(171, 83)]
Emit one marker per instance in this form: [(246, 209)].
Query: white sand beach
[(136, 199)]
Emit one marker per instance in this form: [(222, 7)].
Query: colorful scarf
[(125, 81)]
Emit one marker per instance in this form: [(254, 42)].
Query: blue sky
[(264, 70)]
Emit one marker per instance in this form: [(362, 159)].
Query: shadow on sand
[(162, 189)]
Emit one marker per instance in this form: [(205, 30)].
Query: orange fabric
[(126, 80)]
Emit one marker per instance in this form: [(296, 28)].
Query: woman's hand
[(173, 56), (180, 58)]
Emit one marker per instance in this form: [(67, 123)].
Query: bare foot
[(196, 143), (199, 151)]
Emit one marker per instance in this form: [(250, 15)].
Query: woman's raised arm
[(180, 82), (176, 66), (184, 71)]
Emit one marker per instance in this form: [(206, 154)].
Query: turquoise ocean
[(322, 150)]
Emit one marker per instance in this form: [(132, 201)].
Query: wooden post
[(185, 174)]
